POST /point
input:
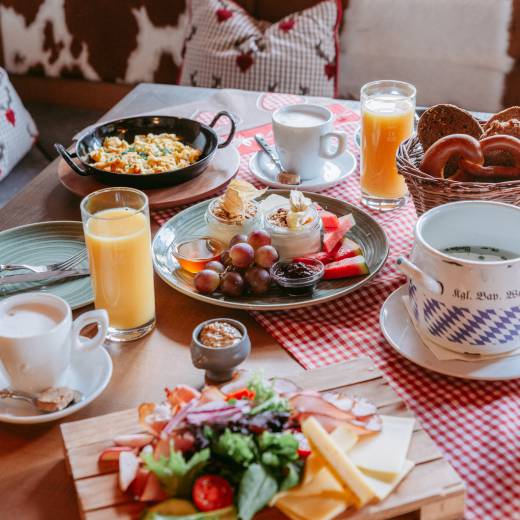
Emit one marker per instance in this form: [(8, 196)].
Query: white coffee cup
[(303, 135), (37, 337)]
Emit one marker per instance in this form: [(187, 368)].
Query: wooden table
[(33, 479)]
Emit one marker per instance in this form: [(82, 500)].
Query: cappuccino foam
[(300, 118), (29, 319)]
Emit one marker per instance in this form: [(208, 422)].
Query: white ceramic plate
[(332, 173), (89, 373), (399, 331)]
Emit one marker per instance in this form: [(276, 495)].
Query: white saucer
[(89, 373), (399, 331), (332, 173)]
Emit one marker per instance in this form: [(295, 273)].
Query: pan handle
[(231, 118), (67, 157)]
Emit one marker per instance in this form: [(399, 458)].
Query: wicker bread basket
[(428, 192)]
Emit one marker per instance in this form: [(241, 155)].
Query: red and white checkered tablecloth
[(476, 424)]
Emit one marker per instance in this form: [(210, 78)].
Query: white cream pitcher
[(464, 276)]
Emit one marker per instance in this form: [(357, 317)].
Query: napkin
[(444, 354)]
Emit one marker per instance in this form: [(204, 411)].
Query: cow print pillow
[(17, 129), (227, 48)]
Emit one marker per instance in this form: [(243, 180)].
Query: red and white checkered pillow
[(227, 48), (17, 129)]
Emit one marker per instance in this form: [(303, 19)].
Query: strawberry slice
[(329, 220), (322, 256), (332, 238), (346, 268), (346, 249)]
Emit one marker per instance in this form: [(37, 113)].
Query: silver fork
[(71, 262)]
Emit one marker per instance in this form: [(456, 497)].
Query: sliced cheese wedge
[(311, 507), (344, 437), (338, 461), (382, 455), (381, 488)]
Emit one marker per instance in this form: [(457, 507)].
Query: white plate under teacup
[(333, 172), (400, 332), (89, 372)]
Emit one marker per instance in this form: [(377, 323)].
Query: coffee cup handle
[(100, 317), (325, 139)]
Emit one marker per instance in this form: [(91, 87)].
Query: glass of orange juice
[(116, 223), (387, 119)]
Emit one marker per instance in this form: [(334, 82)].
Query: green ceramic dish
[(46, 243), (190, 222)]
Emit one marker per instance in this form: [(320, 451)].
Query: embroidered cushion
[(17, 129), (227, 48)]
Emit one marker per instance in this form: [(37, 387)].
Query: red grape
[(225, 258), (258, 279), (258, 238), (206, 281), (216, 266), (266, 256), (238, 239), (242, 255), (232, 284)]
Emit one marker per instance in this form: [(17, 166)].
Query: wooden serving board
[(431, 491), (216, 177)]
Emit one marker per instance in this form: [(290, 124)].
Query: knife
[(52, 277)]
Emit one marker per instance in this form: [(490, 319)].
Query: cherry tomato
[(211, 492)]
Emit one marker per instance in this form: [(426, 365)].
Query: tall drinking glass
[(116, 223), (387, 119)]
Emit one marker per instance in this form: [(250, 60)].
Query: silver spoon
[(48, 401), (283, 177)]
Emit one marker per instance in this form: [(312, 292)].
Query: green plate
[(190, 222), (46, 243)]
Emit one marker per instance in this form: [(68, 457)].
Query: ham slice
[(332, 411), (181, 394)]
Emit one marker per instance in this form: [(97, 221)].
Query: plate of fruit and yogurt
[(269, 249)]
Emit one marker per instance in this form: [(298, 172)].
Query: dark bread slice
[(504, 115), (442, 120), (498, 127)]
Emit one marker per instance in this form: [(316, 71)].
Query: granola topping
[(220, 212), (219, 334), (279, 218)]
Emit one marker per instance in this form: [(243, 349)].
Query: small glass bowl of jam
[(194, 253), (298, 278)]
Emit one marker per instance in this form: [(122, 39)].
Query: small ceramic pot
[(220, 362), (466, 304)]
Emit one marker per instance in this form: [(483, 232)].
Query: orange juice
[(118, 243), (387, 120)]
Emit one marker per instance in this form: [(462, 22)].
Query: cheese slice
[(382, 455), (344, 437), (311, 507), (338, 461), (381, 488), (313, 464)]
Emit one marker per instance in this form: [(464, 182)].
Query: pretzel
[(437, 156), (489, 145)]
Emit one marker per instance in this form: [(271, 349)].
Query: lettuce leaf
[(175, 474)]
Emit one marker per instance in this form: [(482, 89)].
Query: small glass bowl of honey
[(194, 253)]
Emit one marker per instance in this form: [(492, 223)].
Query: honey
[(195, 253)]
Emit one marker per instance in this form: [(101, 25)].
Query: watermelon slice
[(322, 256), (346, 249), (331, 238), (329, 220), (346, 268)]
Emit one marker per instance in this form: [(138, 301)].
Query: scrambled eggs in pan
[(147, 154)]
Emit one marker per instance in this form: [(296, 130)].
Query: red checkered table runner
[(476, 424)]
